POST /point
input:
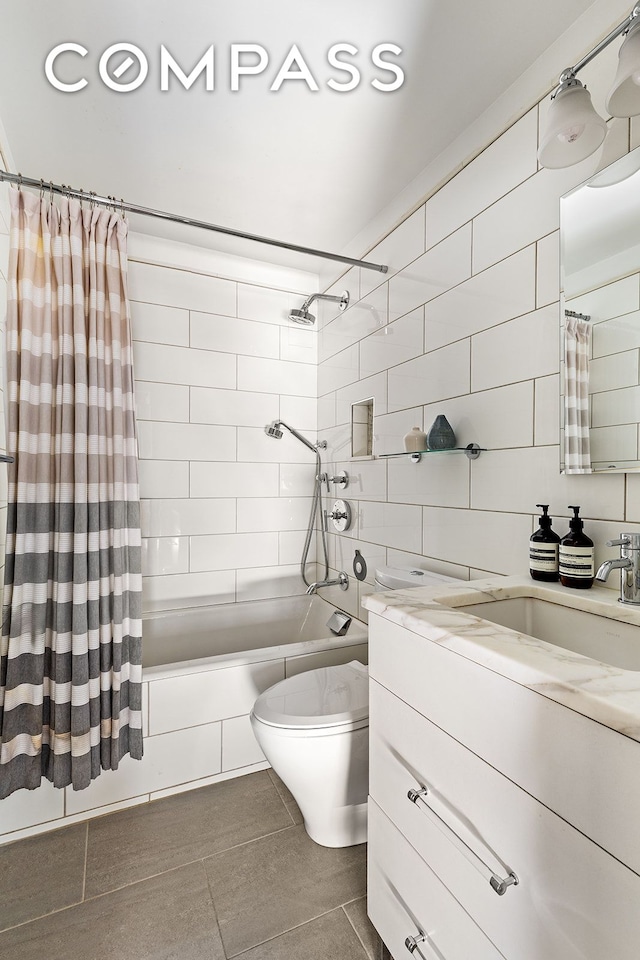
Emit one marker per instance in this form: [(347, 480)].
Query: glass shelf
[(472, 451)]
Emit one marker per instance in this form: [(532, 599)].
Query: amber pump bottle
[(543, 549), (576, 556)]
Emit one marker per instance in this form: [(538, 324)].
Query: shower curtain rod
[(188, 221)]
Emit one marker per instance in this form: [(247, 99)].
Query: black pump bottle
[(543, 549), (576, 556)]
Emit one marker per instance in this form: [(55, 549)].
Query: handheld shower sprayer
[(274, 429), (303, 316)]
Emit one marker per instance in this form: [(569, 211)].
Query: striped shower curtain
[(70, 647)]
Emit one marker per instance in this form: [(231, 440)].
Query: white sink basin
[(601, 638)]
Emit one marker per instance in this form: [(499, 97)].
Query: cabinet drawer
[(573, 900), (584, 771), (406, 899)]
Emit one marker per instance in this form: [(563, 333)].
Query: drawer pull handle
[(413, 945), (498, 884)]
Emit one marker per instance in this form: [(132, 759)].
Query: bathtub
[(241, 632), (205, 666), (203, 669)]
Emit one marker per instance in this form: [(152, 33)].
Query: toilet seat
[(399, 578), (328, 699)]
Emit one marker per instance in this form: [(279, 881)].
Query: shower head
[(273, 430), (303, 316)]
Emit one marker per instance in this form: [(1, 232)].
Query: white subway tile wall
[(214, 363), (485, 297)]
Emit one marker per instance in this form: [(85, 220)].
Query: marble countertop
[(608, 694)]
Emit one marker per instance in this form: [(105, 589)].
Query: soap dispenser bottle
[(543, 549), (576, 556)]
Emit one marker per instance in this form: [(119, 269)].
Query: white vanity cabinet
[(505, 784)]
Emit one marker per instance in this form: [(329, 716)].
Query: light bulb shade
[(624, 97), (574, 129)]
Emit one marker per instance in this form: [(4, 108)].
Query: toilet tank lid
[(397, 578), (325, 697)]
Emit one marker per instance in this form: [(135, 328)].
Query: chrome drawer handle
[(413, 945), (498, 884)]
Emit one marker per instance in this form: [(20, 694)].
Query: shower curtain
[(70, 648), (577, 446)]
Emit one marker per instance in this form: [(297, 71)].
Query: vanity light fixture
[(574, 130)]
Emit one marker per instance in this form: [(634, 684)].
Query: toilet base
[(340, 828), (327, 771)]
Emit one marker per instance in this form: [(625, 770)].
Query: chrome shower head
[(273, 430), (302, 316)]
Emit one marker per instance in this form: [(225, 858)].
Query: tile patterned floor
[(218, 873)]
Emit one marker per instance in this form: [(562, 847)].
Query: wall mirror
[(600, 321)]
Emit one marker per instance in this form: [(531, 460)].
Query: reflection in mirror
[(600, 321)]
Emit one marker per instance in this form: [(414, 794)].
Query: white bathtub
[(241, 632), (203, 669)]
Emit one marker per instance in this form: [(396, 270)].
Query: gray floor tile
[(357, 914), (41, 874), (280, 785), (267, 887), (143, 841), (330, 937), (287, 797), (294, 811), (166, 918)]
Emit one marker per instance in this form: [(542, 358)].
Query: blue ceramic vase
[(440, 435)]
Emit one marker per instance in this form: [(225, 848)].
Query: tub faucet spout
[(342, 580)]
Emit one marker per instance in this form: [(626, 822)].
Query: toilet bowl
[(313, 728)]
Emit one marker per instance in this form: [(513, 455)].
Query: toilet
[(313, 728)]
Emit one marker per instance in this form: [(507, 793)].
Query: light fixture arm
[(569, 73)]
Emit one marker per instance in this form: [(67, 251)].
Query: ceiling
[(306, 167)]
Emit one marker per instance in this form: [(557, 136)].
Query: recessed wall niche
[(362, 428)]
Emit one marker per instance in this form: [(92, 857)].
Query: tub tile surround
[(215, 360), (170, 874)]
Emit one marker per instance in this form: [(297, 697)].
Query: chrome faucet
[(342, 580), (628, 563)]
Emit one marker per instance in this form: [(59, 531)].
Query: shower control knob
[(342, 479), (340, 515)]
